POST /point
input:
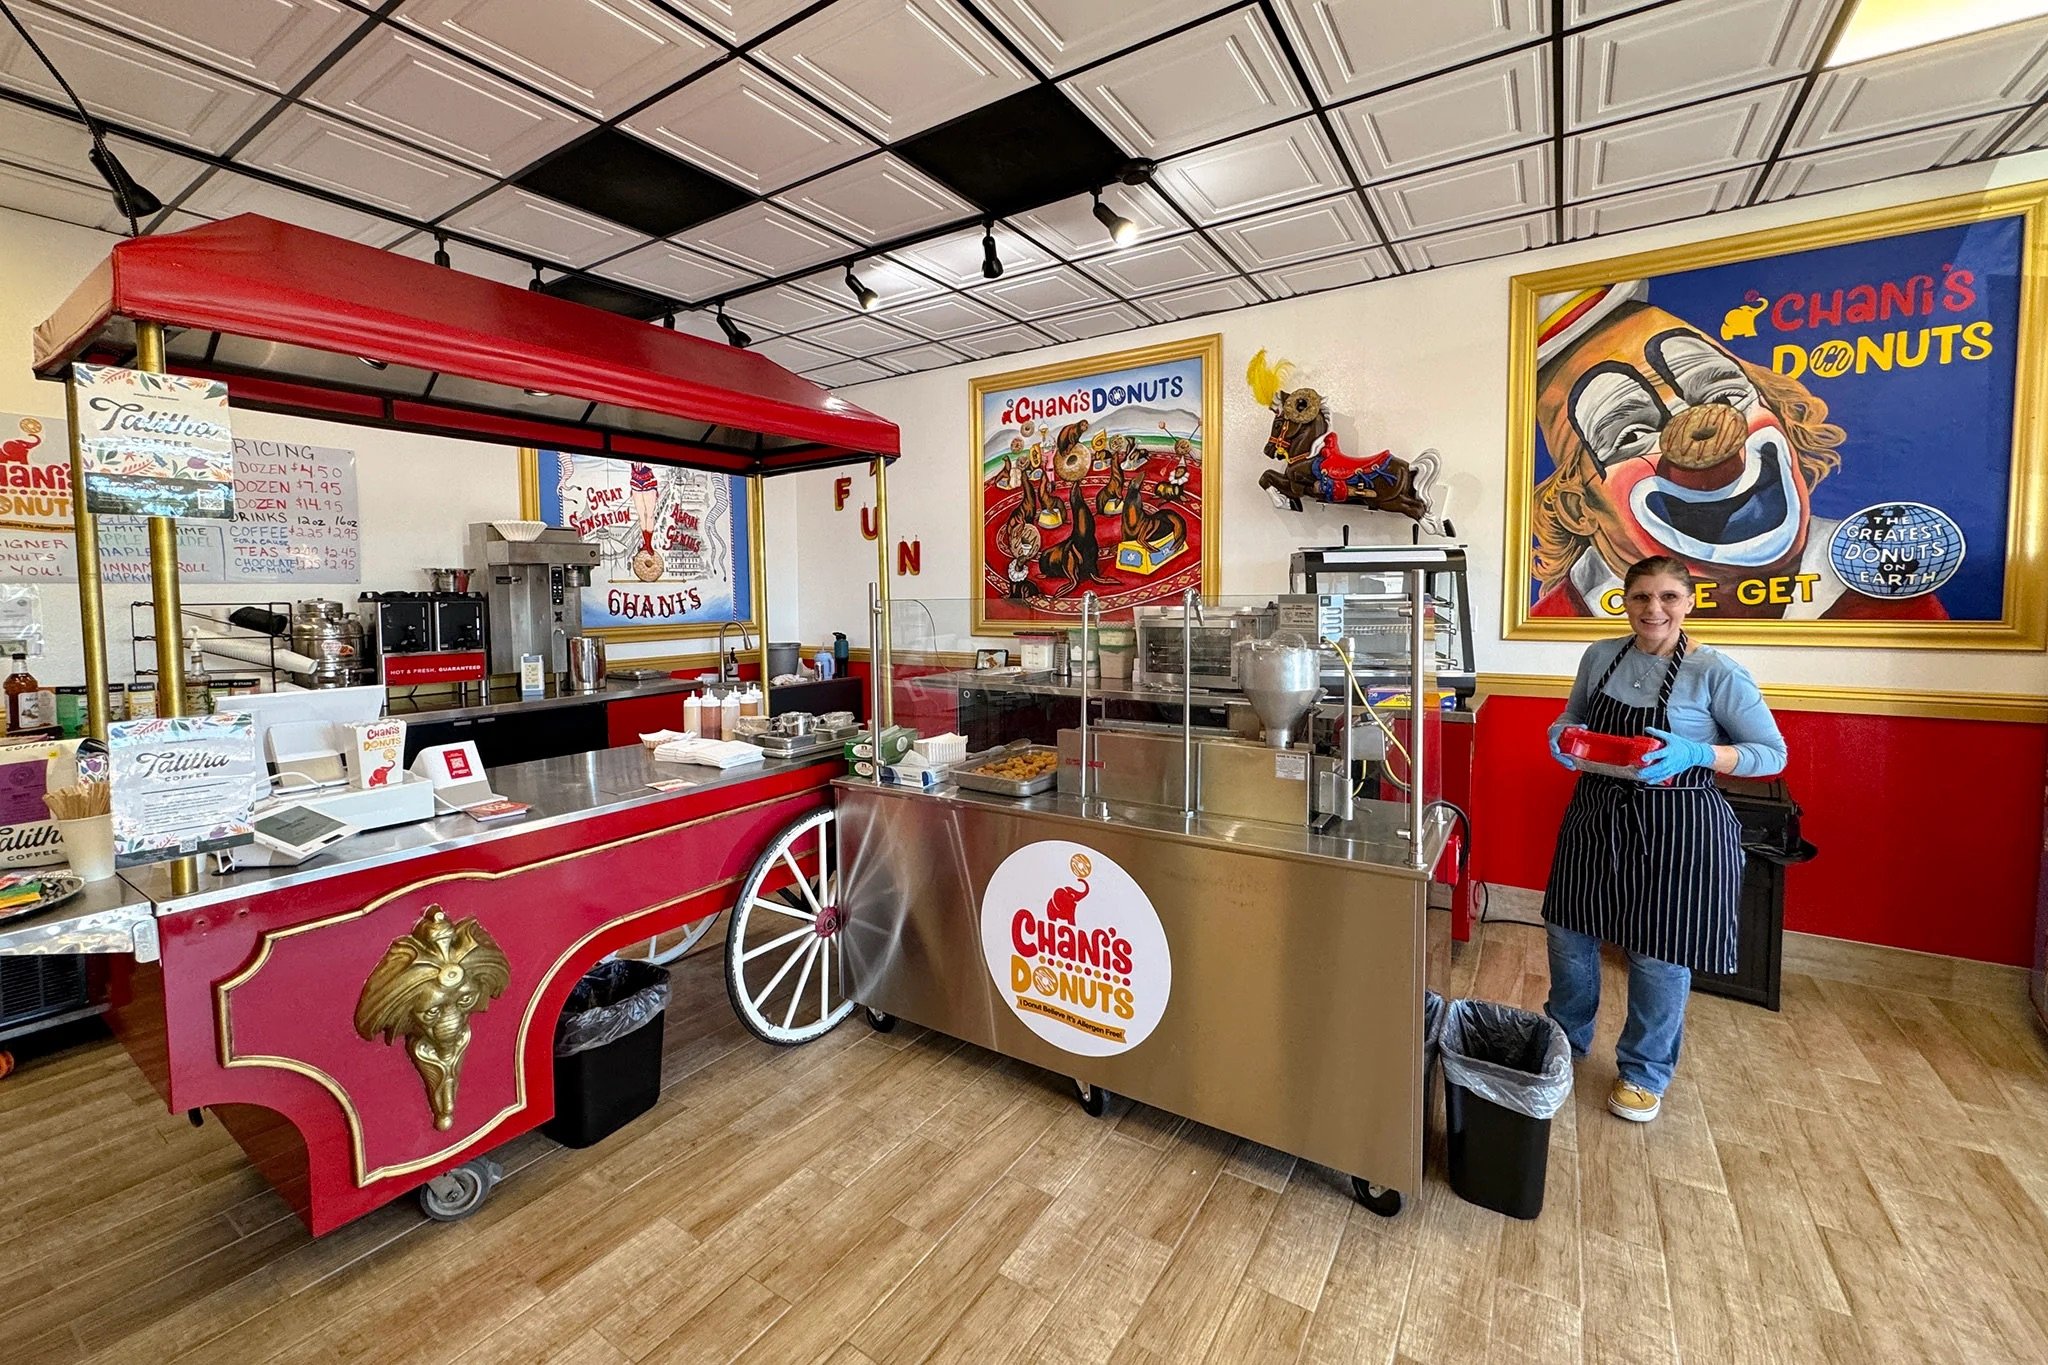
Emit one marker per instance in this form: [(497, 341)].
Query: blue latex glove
[(1562, 760), (1678, 755)]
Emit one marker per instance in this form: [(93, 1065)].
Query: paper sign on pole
[(154, 444)]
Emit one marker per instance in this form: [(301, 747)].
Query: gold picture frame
[(756, 623), (2023, 620), (1207, 353)]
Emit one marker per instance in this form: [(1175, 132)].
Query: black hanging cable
[(130, 198)]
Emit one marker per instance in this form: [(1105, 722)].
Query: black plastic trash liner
[(1506, 1072), (608, 1051)]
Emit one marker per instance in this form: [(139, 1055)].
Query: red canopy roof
[(283, 313)]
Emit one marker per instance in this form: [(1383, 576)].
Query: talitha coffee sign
[(1075, 948)]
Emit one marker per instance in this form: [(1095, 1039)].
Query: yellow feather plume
[(1267, 378)]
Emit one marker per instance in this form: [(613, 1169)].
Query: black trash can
[(608, 1051), (1506, 1072), (1771, 842)]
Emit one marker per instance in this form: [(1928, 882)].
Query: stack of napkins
[(710, 753)]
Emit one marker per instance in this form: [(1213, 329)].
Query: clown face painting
[(1824, 423)]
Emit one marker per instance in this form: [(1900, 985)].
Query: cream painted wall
[(1408, 364)]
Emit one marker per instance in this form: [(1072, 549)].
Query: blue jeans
[(1657, 992)]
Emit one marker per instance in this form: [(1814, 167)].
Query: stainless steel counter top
[(1377, 836), (507, 701), (560, 790), (108, 916)]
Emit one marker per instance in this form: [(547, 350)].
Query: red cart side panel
[(260, 995)]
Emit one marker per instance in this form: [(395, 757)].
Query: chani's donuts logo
[(1075, 948)]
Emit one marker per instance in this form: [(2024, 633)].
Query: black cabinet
[(515, 736)]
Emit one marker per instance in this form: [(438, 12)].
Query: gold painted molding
[(2012, 707)]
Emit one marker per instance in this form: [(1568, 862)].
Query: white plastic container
[(712, 714), (729, 717), (693, 719), (942, 751), (752, 703)]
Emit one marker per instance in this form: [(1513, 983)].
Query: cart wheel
[(458, 1193), (1094, 1099), (880, 1022), (6, 1065), (1381, 1200), (775, 947), (683, 945)]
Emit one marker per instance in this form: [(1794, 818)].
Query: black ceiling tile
[(1019, 153), (619, 177), (613, 298)]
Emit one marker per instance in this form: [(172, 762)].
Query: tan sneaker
[(1633, 1103)]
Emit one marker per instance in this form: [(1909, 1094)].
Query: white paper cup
[(89, 846)]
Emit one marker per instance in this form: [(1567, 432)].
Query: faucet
[(727, 662)]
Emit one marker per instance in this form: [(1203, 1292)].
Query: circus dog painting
[(1825, 424)]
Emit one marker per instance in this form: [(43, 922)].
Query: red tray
[(1613, 755)]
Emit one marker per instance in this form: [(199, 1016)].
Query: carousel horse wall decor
[(1316, 467)]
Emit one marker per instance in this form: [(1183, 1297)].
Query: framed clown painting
[(1835, 425), (1097, 475)]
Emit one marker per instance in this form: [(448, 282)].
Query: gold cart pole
[(878, 653), (757, 502), (169, 608), (92, 604)]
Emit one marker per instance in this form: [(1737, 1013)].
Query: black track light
[(1121, 229), (131, 199), (535, 284), (441, 251), (733, 335), (991, 264), (668, 319), (862, 295)]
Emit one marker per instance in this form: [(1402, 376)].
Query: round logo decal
[(1897, 549), (1075, 948)]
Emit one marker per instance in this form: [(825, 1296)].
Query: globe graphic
[(1897, 549)]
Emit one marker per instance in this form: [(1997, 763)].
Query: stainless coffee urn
[(535, 588)]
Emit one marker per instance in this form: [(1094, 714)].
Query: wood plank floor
[(1862, 1178)]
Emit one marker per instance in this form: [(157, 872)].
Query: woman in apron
[(1652, 866)]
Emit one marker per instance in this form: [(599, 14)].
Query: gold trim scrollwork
[(431, 980)]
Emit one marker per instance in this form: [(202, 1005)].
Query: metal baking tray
[(965, 776), (818, 741)]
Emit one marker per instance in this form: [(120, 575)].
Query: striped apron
[(1654, 870)]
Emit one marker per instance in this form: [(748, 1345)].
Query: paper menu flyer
[(183, 785)]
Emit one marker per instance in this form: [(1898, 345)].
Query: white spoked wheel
[(691, 934), (782, 947)]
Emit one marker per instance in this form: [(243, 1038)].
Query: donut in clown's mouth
[(1755, 522)]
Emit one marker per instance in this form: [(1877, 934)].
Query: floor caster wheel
[(457, 1194), (1094, 1099), (6, 1064), (878, 1021), (1381, 1200)]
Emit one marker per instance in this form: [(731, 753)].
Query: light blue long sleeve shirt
[(1714, 700)]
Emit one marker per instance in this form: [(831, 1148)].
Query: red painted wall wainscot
[(1929, 829)]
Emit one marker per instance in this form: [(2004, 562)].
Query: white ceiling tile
[(783, 309), (1504, 186), (1061, 35), (894, 67), (740, 21), (131, 84), (2001, 69), (1301, 233), (1226, 76), (949, 316), (1043, 295), (341, 158), (1577, 12), (1096, 322), (666, 269), (859, 336), (738, 124), (792, 354), (1000, 341), (1155, 266), (60, 147), (1485, 108), (1353, 47), (1686, 52), (1680, 145), (1665, 204), (1070, 231), (271, 43), (847, 372), (1336, 272), (1886, 157), (482, 262), (766, 240), (1250, 174), (892, 283), (548, 230), (225, 194), (51, 196), (393, 81), (1218, 297), (1475, 244), (927, 355), (603, 56), (956, 259), (877, 200)]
